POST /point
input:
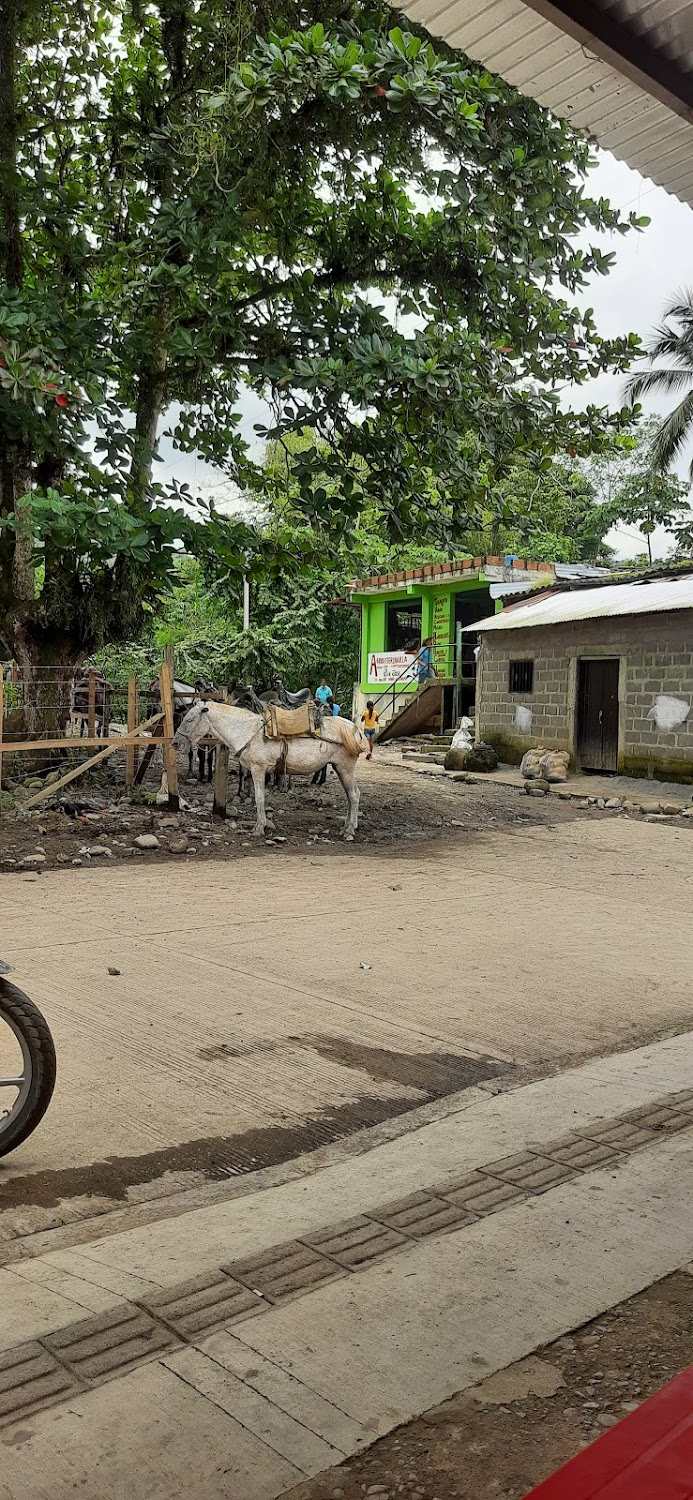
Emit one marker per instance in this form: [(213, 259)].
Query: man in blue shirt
[(320, 776), (423, 660), (323, 692)]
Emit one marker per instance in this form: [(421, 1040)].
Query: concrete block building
[(604, 672)]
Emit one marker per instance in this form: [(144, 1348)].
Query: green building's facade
[(400, 610)]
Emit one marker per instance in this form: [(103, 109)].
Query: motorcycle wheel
[(27, 1066)]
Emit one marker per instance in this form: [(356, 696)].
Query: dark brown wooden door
[(597, 717)]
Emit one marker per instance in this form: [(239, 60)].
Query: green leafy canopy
[(364, 227)]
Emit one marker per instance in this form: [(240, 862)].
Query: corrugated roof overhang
[(560, 606), (621, 70)]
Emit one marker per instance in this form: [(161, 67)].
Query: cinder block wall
[(657, 655)]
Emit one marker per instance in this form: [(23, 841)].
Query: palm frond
[(672, 339), (681, 305), (664, 381), (672, 435), (667, 343)]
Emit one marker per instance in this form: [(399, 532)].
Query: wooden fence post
[(92, 704), (166, 689), (221, 781), (131, 756)]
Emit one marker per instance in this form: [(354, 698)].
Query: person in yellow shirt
[(370, 725)]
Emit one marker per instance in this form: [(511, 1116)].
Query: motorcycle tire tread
[(27, 1017)]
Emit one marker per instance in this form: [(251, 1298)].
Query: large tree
[(366, 229), (632, 491)]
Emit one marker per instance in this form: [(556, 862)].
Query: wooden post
[(221, 772), (147, 758), (2, 720), (131, 756), (15, 673), (166, 689), (92, 704), (221, 781)]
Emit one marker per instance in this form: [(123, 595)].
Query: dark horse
[(79, 704), (184, 695)]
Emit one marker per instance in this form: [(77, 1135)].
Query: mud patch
[(221, 1050), (433, 1075)]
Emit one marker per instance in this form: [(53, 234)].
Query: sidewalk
[(635, 789), (244, 1345)]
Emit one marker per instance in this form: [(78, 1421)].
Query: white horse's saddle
[(285, 723)]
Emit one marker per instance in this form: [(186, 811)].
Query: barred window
[(521, 677)]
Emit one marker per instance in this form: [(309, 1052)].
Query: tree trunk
[(47, 665), (150, 400)]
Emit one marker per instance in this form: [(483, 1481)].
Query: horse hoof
[(348, 838)]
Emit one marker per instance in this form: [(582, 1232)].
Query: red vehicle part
[(647, 1456)]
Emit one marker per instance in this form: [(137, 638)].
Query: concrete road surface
[(243, 1012)]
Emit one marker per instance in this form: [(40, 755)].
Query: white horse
[(339, 744)]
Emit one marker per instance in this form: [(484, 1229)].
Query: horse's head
[(192, 727)]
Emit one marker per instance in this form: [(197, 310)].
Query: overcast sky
[(649, 268)]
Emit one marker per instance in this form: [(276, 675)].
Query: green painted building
[(400, 610)]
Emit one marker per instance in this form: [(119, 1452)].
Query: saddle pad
[(285, 723)]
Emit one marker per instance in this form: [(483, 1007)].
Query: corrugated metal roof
[(641, 598), (580, 570), (621, 70), (503, 590)]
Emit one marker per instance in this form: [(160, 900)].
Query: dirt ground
[(499, 1440), (92, 819), (396, 805)]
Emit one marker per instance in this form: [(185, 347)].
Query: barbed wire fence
[(48, 720)]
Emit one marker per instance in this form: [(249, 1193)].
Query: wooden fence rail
[(156, 731), (86, 765)]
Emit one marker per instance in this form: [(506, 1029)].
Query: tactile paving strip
[(356, 1242), (110, 1344), (583, 1155), (480, 1195), (662, 1117), (624, 1134), (527, 1170), (30, 1380), (202, 1304), (283, 1271), (34, 1376), (422, 1214), (682, 1100)]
